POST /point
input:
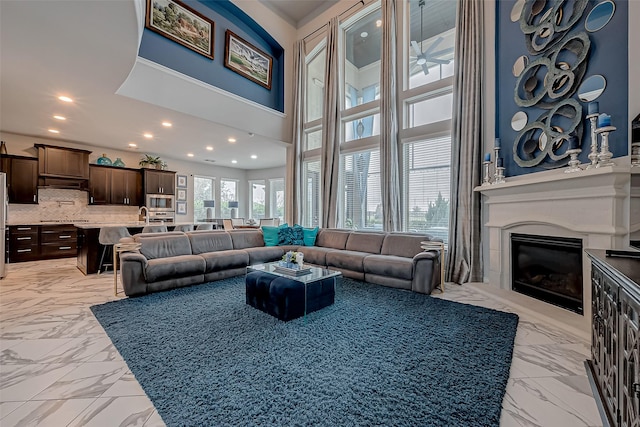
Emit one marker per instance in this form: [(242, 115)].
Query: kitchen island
[(90, 249)]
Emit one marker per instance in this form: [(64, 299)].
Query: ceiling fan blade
[(425, 69), (442, 52), (416, 48), (439, 61), (433, 46)]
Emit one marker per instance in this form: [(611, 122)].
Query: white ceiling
[(86, 49), (297, 12)]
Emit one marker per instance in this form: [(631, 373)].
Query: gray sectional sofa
[(170, 260)]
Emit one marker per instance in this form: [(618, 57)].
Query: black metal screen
[(548, 268)]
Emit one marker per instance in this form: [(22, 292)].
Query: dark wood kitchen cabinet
[(159, 182), (23, 243), (110, 185), (22, 179), (63, 162), (40, 242)]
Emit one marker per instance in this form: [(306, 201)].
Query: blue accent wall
[(608, 57), (225, 15)]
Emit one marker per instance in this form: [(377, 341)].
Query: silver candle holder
[(487, 176), (499, 176), (635, 154), (604, 157), (593, 155), (574, 163)]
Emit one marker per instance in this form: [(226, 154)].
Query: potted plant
[(150, 162)]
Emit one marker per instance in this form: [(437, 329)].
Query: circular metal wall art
[(519, 120), (591, 88), (599, 16), (519, 65)]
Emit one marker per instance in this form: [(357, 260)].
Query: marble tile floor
[(59, 368)]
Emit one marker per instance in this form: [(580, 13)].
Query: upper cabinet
[(159, 182), (63, 167), (114, 186), (22, 179)]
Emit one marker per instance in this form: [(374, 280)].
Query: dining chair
[(268, 221), (227, 224), (237, 221)]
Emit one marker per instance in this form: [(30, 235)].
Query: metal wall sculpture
[(549, 78)]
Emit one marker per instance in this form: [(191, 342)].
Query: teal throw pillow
[(270, 235), (310, 235), (291, 236)]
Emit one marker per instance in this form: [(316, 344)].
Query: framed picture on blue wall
[(178, 22), (247, 60)]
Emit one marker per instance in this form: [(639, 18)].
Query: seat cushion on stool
[(284, 298)]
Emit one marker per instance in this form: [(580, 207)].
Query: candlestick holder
[(604, 157), (496, 157), (499, 176), (593, 155), (635, 154), (574, 163), (487, 177)]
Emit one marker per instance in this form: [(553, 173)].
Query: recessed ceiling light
[(167, 124), (60, 117), (364, 34), (232, 140), (54, 131), (234, 161), (209, 148), (65, 99), (133, 144), (379, 23), (190, 154), (148, 135), (253, 156)]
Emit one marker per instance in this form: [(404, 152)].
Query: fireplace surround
[(591, 206)]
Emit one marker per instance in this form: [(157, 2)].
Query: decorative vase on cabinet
[(118, 163), (104, 160)]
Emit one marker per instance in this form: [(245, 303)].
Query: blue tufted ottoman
[(284, 297)]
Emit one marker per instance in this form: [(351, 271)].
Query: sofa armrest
[(132, 267), (426, 272)]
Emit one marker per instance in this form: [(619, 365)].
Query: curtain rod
[(340, 14)]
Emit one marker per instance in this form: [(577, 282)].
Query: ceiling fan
[(423, 57)]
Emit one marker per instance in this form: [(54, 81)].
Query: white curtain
[(389, 159), (464, 263), (330, 157), (293, 184)]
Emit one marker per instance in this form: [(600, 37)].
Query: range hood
[(62, 167)]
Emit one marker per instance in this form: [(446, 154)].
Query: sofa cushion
[(264, 254), (316, 255), (329, 238), (246, 239), (291, 235), (175, 266), (270, 235), (365, 242), (309, 236), (403, 244), (389, 266), (209, 241), (223, 260), (164, 246), (348, 260)]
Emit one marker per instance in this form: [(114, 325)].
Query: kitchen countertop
[(89, 225)]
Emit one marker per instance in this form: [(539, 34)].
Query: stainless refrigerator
[(3, 222)]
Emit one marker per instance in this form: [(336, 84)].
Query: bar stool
[(204, 227), (108, 237), (184, 227), (154, 229)]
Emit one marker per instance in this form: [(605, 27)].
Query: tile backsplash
[(68, 205)]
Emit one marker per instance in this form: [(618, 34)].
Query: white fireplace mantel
[(592, 205)]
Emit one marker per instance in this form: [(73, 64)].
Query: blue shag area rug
[(378, 357)]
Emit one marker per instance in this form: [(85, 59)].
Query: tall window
[(427, 176), (361, 206), (203, 189), (228, 193), (311, 193), (258, 199), (276, 203)]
